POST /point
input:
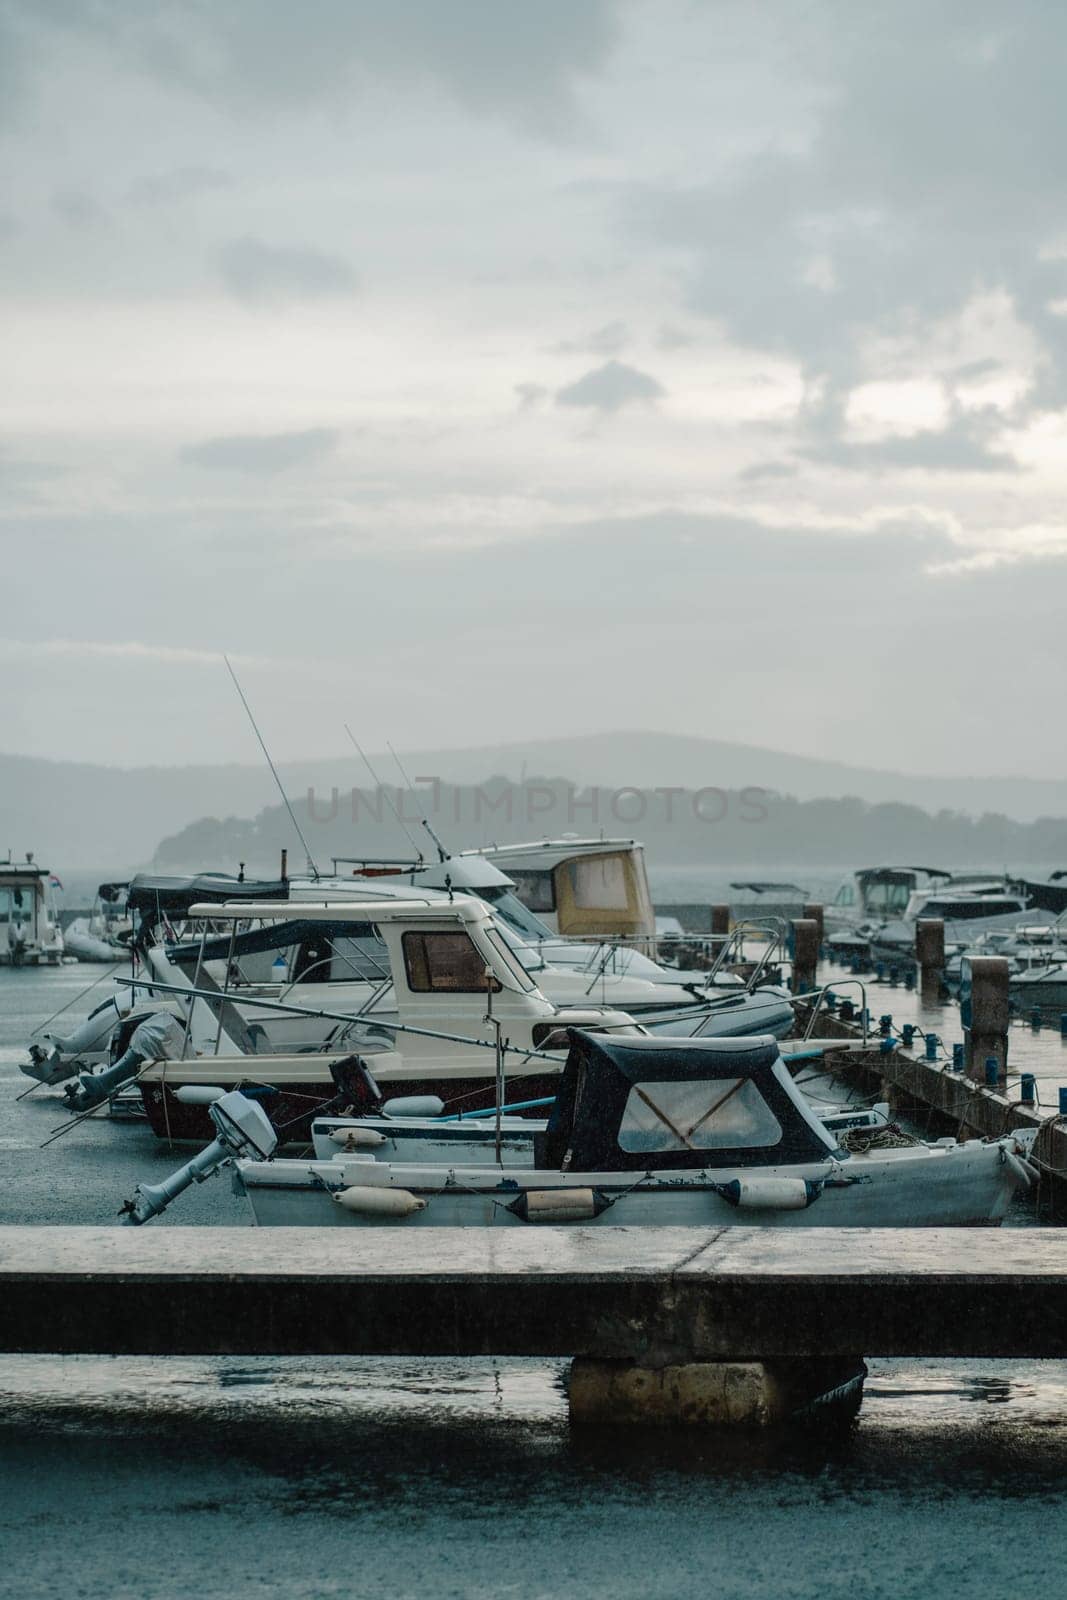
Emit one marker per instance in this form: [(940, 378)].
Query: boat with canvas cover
[(671, 1131)]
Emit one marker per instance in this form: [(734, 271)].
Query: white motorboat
[(455, 993), (1041, 987), (103, 935), (30, 932), (678, 1132)]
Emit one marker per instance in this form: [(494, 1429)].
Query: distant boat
[(30, 934), (105, 933)]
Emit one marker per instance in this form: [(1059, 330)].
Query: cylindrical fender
[(365, 1201), (559, 1205), (769, 1194), (357, 1138)]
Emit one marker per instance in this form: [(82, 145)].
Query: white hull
[(920, 1186)]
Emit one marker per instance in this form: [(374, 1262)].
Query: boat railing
[(818, 997)]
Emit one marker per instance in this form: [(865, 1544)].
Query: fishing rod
[(441, 851), (274, 771), (384, 791), (215, 995)]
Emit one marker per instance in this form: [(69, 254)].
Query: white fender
[(367, 1202), (198, 1094), (414, 1105), (1022, 1177), (357, 1138), (771, 1194)]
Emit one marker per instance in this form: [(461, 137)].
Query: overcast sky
[(473, 369)]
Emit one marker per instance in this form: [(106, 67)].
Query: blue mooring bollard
[(1035, 1018), (907, 1035), (885, 1023), (831, 1001), (879, 972), (1063, 1101), (894, 977), (932, 1042), (1028, 1089), (887, 1044), (992, 1072), (957, 1057), (909, 978)]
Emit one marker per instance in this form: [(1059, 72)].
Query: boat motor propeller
[(243, 1130)]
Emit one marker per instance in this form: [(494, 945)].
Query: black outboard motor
[(357, 1089)]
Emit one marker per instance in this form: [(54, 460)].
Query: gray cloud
[(610, 340), (531, 395), (181, 183), (610, 387), (254, 271), (262, 454), (78, 209), (953, 449), (936, 170), (767, 471), (517, 63)]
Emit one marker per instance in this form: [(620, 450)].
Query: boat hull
[(956, 1186), (293, 1104)]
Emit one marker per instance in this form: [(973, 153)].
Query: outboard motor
[(356, 1087), (158, 1038), (243, 1130), (59, 1059)]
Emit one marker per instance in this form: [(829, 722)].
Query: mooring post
[(985, 1015), (814, 913), (930, 954), (720, 928), (805, 954)]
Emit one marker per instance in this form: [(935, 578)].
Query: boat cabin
[(633, 1104), (581, 888), (30, 934)]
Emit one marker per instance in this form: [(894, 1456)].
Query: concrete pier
[(805, 954), (985, 1014), (930, 954), (660, 1296)]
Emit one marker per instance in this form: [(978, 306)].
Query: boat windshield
[(508, 907)]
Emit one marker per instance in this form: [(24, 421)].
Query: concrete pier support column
[(930, 954), (984, 1013), (732, 1394), (805, 954), (815, 914)]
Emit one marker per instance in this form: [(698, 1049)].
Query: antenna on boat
[(274, 771), (383, 790), (441, 851)]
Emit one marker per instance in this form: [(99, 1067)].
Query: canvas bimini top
[(633, 1104)]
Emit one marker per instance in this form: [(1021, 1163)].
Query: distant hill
[(75, 814), (706, 827)]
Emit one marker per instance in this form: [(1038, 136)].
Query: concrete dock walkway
[(648, 1295)]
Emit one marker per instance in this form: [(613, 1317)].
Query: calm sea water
[(363, 1478)]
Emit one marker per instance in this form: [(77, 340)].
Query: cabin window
[(536, 890), (16, 904), (845, 896), (445, 963), (961, 910), (599, 883), (707, 1114)]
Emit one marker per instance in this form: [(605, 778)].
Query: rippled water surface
[(365, 1478)]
